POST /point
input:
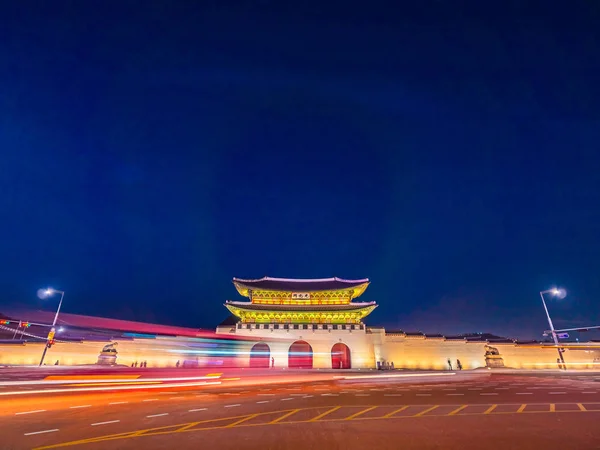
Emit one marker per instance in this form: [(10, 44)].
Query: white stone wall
[(321, 340)]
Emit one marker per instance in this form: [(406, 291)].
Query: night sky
[(151, 151)]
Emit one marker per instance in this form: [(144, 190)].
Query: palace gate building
[(303, 323)]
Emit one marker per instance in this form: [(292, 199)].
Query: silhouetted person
[(272, 362), (56, 363), (449, 364), (177, 365), (458, 364), (392, 365)]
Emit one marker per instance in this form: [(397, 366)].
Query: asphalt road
[(464, 411)]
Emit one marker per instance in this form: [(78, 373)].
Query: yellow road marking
[(237, 422), (285, 416), (422, 413), (229, 379), (396, 411), (457, 410), (320, 416), (212, 424), (360, 413), (490, 409), (552, 407), (185, 427)]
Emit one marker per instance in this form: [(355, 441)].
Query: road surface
[(469, 410)]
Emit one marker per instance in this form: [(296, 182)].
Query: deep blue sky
[(149, 152)]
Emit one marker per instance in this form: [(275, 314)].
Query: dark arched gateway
[(340, 356), (300, 355), (260, 356)]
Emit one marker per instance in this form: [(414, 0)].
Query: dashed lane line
[(158, 415), (263, 401), (150, 400), (104, 423), (41, 432), (232, 406), (117, 403), (30, 412), (79, 406), (197, 409)]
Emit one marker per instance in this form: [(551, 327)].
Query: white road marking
[(105, 423), (117, 403), (308, 396), (30, 412), (40, 432), (80, 406), (231, 406), (199, 409), (150, 400), (263, 401), (284, 399), (265, 394), (329, 394), (230, 393), (158, 415)]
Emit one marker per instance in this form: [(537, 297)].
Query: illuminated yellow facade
[(281, 300), (279, 316)]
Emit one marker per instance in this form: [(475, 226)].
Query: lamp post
[(45, 293), (560, 293)]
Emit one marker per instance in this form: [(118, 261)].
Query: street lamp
[(559, 293), (43, 294)]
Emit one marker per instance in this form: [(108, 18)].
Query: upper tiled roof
[(300, 285)]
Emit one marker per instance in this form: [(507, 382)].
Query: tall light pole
[(560, 293), (45, 293)]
